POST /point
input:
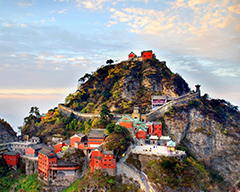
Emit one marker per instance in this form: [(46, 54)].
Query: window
[(96, 161), (105, 164), (110, 160), (104, 159)]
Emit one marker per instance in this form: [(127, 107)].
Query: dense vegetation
[(105, 86), (30, 184), (118, 140), (55, 123), (175, 174), (98, 181), (3, 166), (10, 179)]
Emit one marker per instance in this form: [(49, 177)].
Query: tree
[(34, 115), (35, 111), (109, 61), (110, 128), (105, 113)]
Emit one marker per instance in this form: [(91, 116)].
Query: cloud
[(91, 4), (32, 91), (43, 21), (64, 11), (52, 19), (235, 8), (226, 72)]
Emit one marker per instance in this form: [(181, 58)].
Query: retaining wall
[(122, 168), (149, 116)]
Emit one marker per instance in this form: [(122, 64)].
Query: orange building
[(103, 160), (135, 126), (11, 158), (147, 55), (63, 169), (140, 129), (33, 150), (95, 138), (46, 158), (127, 122), (157, 129), (131, 55), (79, 137)]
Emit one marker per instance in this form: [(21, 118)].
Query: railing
[(172, 154)]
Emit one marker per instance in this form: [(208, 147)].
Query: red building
[(131, 55), (11, 158), (103, 160), (157, 129), (127, 122), (79, 137), (46, 158), (140, 129), (95, 138), (141, 134), (33, 150), (63, 169), (135, 126), (147, 55)]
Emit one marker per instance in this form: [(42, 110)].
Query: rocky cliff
[(215, 144), (7, 134)]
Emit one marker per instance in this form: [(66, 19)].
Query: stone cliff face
[(7, 134), (206, 140)]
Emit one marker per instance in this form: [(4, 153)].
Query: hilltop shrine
[(144, 56)]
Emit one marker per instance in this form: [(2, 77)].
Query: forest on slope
[(124, 85)]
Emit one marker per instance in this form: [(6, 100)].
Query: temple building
[(144, 56), (32, 151), (138, 128), (171, 146), (103, 160), (95, 138), (11, 159), (79, 137), (63, 169), (46, 158)]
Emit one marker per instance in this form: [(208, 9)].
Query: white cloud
[(64, 11), (43, 21), (91, 4), (226, 72)]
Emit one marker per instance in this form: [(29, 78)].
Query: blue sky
[(47, 45)]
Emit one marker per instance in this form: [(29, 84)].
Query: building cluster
[(49, 166), (144, 56)]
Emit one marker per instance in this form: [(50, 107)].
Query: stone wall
[(122, 169), (31, 164), (67, 111), (149, 116), (164, 108)]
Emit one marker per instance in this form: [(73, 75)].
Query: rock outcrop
[(7, 134), (207, 142)]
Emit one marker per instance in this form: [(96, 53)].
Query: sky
[(47, 45)]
